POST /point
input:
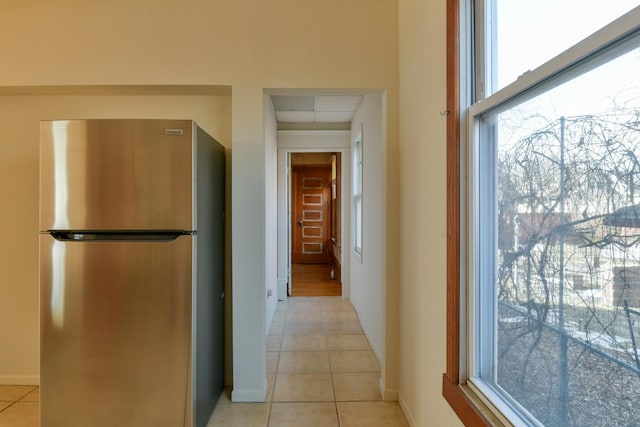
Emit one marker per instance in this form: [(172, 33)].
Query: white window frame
[(478, 327), (357, 197)]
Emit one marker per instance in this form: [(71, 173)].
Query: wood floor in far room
[(313, 280)]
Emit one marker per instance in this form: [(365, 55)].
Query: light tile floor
[(321, 372)]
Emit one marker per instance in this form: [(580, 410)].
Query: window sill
[(468, 407)]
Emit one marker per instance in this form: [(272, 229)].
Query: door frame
[(311, 141)]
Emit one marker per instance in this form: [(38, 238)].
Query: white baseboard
[(390, 394), (248, 395), (365, 329), (282, 288), (20, 379), (346, 289), (407, 413)]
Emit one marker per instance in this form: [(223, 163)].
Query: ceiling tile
[(293, 102), (319, 109), (333, 116), (338, 102), (295, 116)]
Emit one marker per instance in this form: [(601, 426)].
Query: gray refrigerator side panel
[(116, 174), (209, 293), (115, 329)]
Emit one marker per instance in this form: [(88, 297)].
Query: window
[(528, 34), (357, 194), (546, 300)]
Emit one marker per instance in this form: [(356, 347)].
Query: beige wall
[(248, 45), (19, 120), (423, 212)]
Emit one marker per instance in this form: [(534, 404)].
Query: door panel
[(115, 331), (312, 214)]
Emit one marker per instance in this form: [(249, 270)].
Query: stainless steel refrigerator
[(131, 273)]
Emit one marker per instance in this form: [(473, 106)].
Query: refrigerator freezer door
[(116, 175), (116, 333)]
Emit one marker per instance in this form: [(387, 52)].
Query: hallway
[(313, 280), (321, 372)]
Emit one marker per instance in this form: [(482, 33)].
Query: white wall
[(283, 225), (248, 249), (310, 140), (271, 210), (368, 281)]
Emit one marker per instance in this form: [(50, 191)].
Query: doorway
[(315, 224), (296, 128)]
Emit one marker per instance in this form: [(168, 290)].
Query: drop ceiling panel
[(333, 116), (295, 116), (338, 102), (293, 102), (315, 108)]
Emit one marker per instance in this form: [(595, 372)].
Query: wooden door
[(311, 214)]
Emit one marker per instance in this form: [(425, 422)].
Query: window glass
[(529, 33), (565, 247)]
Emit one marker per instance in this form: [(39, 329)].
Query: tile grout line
[(8, 406), (333, 386), (28, 393), (325, 350), (325, 334), (19, 399), (275, 375)]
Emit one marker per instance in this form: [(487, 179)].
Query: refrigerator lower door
[(116, 333)]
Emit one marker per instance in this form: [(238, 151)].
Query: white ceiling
[(315, 108)]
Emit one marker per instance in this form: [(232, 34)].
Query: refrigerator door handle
[(82, 236)]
